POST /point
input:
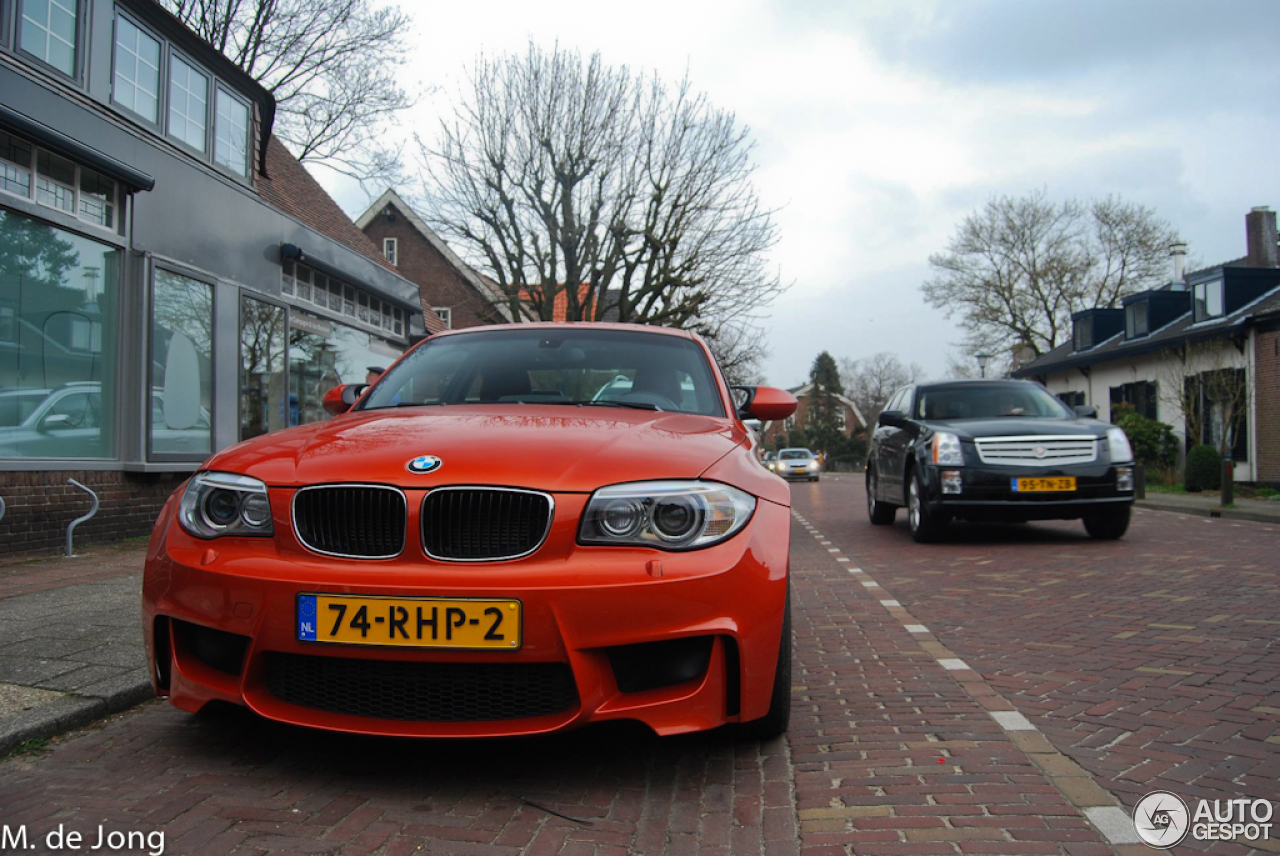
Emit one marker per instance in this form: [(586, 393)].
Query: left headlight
[(217, 504), (1118, 445), (668, 515)]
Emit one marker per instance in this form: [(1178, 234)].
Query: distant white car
[(797, 464)]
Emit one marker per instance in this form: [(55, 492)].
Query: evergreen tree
[(822, 417)]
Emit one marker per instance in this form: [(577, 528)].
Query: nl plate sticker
[(307, 617)]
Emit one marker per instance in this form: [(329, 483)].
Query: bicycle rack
[(93, 509)]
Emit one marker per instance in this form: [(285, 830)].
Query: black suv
[(996, 450)]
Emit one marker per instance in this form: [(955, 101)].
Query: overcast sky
[(880, 125)]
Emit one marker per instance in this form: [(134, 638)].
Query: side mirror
[(340, 398), (766, 403), (54, 422), (1086, 411), (892, 418)]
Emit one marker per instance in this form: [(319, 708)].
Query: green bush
[(1204, 469), (1154, 444)]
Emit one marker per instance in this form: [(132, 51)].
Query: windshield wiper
[(634, 405)]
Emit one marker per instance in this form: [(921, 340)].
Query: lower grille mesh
[(422, 692)]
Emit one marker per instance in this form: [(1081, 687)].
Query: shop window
[(264, 399), (136, 84), (47, 30), (55, 182), (181, 366), (286, 278), (15, 165), (59, 296), (97, 199), (188, 103), (231, 133)]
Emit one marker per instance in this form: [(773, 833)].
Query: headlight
[(813, 465), (1118, 444), (947, 450), (669, 515), (217, 504)]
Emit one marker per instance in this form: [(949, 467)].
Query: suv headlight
[(947, 450), (668, 515), (217, 504), (1118, 445)]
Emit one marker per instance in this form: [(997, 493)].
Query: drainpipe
[(93, 509)]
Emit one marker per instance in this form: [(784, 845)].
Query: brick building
[(848, 417), (172, 281), (1187, 353), (447, 285)]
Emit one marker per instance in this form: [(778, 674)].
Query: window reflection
[(323, 355), (58, 319), (263, 406), (181, 365)]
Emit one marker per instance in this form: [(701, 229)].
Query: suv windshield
[(606, 368), (794, 454), (989, 401)]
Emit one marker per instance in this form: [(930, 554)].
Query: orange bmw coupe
[(517, 529)]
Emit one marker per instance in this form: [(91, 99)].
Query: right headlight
[(947, 449), (218, 504), (668, 515)]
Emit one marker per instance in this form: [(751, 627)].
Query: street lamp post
[(983, 359)]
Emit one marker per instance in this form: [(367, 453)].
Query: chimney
[(1260, 229), (1178, 252)]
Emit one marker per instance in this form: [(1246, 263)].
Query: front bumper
[(799, 474), (582, 607), (987, 493)]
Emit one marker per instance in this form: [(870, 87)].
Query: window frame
[(1132, 312), (42, 210), (205, 156), (220, 88), (14, 10), (394, 256), (1200, 305), (162, 94), (1082, 331), (150, 454), (446, 315)]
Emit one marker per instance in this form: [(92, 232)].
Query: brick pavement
[(1152, 662)]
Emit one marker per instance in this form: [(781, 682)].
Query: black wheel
[(774, 723), (926, 526), (880, 513), (814, 478), (1107, 525)]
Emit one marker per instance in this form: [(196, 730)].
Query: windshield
[(994, 401), (795, 454), (606, 368)]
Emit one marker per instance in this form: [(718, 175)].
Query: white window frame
[(220, 92), (391, 250), (161, 72), (446, 315), (33, 188), (21, 20)]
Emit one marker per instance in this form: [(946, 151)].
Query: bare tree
[(1207, 388), (1016, 270), (332, 66), (872, 380), (740, 351), (568, 180)]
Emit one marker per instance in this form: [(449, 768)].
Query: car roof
[(795, 449), (974, 381), (571, 325)]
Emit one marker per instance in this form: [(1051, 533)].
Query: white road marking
[(1011, 720), (842, 558), (871, 584), (916, 628), (952, 664), (1114, 823), (889, 603)]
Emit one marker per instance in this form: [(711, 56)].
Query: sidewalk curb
[(72, 711), (1224, 513)]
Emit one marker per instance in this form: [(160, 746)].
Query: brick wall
[(438, 281), (39, 505), (1267, 390), (778, 429)]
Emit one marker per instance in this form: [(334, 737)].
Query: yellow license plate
[(413, 622), (1041, 485)]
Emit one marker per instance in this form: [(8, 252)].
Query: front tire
[(774, 723), (880, 513), (926, 526), (1108, 525)]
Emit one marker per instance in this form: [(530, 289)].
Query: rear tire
[(774, 723), (1108, 525), (926, 526), (880, 513)]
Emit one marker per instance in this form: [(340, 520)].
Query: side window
[(74, 411)]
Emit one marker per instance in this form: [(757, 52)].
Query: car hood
[(1012, 426), (567, 449)]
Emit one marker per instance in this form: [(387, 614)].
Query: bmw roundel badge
[(424, 464)]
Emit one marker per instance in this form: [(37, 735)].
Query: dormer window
[(48, 30), (1136, 320), (1208, 298), (1083, 337)]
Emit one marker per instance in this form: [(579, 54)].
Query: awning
[(292, 252), (59, 142)]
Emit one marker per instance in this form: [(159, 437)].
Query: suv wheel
[(880, 513), (926, 526), (1107, 525)]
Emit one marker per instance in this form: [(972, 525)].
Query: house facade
[(447, 285), (171, 280), (1201, 353), (848, 417)]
